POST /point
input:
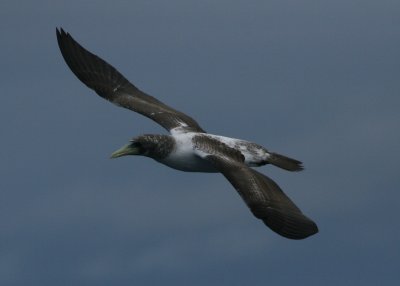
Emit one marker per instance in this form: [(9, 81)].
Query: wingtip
[(289, 224), (308, 231), (61, 32), (297, 234), (64, 39)]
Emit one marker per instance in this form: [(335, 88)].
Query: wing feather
[(265, 199), (262, 195), (110, 84)]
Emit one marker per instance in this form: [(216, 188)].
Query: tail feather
[(285, 162)]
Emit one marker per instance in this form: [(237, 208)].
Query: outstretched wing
[(266, 200), (262, 195), (107, 82)]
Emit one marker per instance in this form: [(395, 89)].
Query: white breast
[(183, 157)]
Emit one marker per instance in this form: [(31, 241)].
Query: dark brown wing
[(107, 82), (265, 199), (262, 195)]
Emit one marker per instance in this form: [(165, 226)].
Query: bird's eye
[(136, 144)]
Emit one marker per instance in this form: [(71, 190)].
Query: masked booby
[(189, 147)]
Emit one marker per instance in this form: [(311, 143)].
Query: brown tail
[(285, 162)]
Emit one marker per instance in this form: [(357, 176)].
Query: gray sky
[(316, 80)]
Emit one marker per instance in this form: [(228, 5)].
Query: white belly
[(184, 157)]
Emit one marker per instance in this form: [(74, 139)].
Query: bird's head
[(154, 146)]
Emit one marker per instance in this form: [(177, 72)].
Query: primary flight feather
[(189, 148)]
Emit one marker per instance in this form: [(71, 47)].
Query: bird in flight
[(190, 148)]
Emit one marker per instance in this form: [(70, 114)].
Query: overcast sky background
[(316, 80)]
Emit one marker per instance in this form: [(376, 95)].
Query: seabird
[(189, 147)]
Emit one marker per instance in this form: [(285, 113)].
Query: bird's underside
[(189, 146)]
